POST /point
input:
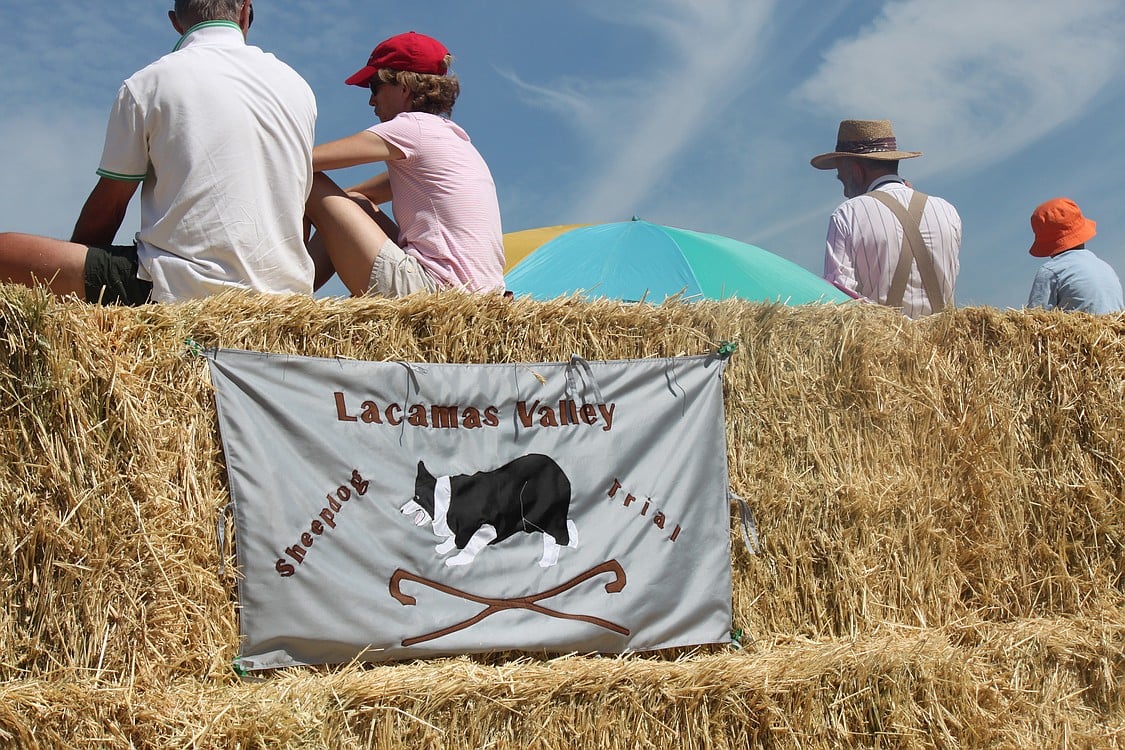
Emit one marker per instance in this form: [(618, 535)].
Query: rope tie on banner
[(576, 368), (412, 370), (193, 348), (750, 536), (221, 535)]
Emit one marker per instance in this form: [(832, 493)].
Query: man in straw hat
[(446, 230), (888, 242), (1073, 278), (218, 135)]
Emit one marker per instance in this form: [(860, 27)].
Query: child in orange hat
[(1073, 278)]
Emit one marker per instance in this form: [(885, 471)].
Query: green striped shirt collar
[(205, 25)]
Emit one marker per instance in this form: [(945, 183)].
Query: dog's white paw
[(458, 560)]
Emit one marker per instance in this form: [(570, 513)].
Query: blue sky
[(700, 114)]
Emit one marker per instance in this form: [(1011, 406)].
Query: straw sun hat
[(867, 139)]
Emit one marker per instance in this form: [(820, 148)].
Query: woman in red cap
[(1073, 278), (446, 230)]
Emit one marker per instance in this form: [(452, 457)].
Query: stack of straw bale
[(941, 506)]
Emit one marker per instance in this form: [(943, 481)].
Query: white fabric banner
[(391, 510)]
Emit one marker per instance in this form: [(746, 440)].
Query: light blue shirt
[(1077, 280)]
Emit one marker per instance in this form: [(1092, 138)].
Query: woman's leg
[(350, 230)]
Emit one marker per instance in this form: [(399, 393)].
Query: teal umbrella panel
[(636, 260)]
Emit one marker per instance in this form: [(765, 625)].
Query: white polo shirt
[(221, 133)]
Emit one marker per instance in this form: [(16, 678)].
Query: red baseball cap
[(411, 51), (1059, 225)]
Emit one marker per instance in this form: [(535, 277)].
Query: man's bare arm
[(104, 212)]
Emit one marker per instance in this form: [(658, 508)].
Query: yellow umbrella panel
[(517, 245)]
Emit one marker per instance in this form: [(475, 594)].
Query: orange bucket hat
[(1059, 225)]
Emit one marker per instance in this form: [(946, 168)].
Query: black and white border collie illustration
[(470, 511)]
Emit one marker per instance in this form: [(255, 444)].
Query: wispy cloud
[(634, 129), (697, 113), (62, 68), (45, 182), (565, 97), (971, 82), (67, 54)]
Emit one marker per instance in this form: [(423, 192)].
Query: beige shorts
[(395, 273)]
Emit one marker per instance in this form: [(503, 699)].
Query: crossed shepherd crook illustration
[(494, 605)]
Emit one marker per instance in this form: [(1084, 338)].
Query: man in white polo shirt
[(219, 136)]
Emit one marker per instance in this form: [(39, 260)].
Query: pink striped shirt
[(444, 202), (865, 240)]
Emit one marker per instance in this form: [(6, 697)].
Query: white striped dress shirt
[(865, 240)]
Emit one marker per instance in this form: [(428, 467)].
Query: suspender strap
[(914, 251)]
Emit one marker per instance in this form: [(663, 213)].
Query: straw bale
[(940, 504), (1022, 685)]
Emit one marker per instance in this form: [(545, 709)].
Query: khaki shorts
[(396, 273)]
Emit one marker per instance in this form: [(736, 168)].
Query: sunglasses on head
[(250, 18)]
